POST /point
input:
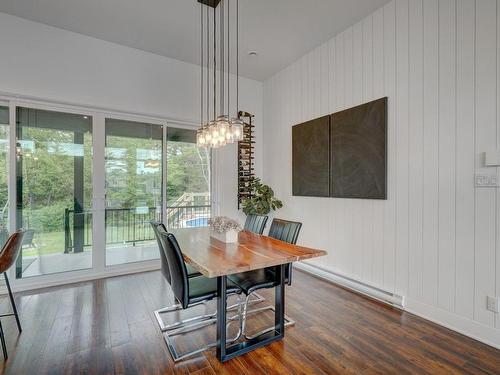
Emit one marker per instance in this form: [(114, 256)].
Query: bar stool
[(8, 256)]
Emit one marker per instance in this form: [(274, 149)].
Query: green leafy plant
[(262, 199)]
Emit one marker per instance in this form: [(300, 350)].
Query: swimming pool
[(198, 222)]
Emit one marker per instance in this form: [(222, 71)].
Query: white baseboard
[(480, 332), (485, 334), (365, 289)]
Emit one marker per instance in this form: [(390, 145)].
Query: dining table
[(216, 259)]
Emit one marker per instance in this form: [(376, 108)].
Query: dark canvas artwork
[(311, 158), (358, 151)]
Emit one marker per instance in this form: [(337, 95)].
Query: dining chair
[(159, 228), (8, 256), (287, 231), (190, 292), (266, 278), (255, 223)]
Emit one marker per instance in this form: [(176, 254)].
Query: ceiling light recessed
[(252, 53)]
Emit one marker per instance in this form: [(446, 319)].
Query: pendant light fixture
[(218, 127)]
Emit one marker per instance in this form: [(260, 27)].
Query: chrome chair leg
[(197, 325), (177, 307), (258, 298), (166, 327), (288, 321), (243, 318)]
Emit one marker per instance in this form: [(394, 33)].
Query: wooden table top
[(214, 258)]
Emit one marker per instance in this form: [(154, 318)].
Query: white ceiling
[(280, 31)]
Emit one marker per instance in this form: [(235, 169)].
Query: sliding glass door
[(86, 186), (134, 175), (188, 180), (4, 196), (54, 191)]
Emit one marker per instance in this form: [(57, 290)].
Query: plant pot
[(226, 237)]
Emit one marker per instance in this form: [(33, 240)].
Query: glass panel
[(4, 115), (54, 191), (133, 190), (188, 180), (4, 168)]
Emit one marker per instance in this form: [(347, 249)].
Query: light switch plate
[(492, 304), (492, 158)]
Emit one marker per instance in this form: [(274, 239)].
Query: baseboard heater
[(357, 286)]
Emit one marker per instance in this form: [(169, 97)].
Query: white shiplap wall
[(435, 240)]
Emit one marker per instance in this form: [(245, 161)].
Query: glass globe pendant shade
[(223, 124), (208, 135), (200, 137), (237, 126), (214, 130), (230, 134)]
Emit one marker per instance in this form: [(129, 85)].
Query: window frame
[(99, 268)]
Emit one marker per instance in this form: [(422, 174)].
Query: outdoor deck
[(59, 262)]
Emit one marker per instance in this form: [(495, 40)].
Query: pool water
[(198, 222)]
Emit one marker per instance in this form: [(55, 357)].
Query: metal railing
[(131, 225)]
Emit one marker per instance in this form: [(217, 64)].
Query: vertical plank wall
[(436, 240)]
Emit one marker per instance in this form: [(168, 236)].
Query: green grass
[(46, 243), (53, 242)]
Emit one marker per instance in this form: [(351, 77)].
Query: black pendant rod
[(238, 58), (222, 44), (208, 66), (222, 55), (228, 62), (215, 64), (201, 65)]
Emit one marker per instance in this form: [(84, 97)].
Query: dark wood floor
[(107, 326)]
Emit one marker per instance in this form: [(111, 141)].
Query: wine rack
[(246, 156)]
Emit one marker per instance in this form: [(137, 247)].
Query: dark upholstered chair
[(255, 223), (189, 291), (159, 228), (8, 256), (287, 231), (249, 282)]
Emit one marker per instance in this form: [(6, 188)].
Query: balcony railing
[(130, 225)]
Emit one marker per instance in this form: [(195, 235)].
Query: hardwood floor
[(107, 326)]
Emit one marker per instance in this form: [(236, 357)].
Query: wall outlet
[(486, 180), (492, 304)]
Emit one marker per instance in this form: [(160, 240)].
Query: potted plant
[(261, 200), (224, 229)]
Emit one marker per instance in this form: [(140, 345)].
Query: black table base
[(225, 353)]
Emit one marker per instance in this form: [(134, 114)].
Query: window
[(134, 173), (54, 191), (188, 180)]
